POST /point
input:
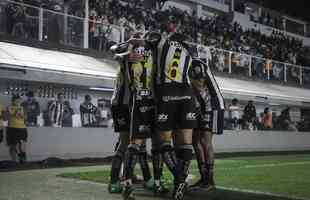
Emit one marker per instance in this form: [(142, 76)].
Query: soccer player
[(136, 70), (121, 119), (17, 131), (175, 107), (1, 123), (140, 64), (210, 116)]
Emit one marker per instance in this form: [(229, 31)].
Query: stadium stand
[(235, 51)]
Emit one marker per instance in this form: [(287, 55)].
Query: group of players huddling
[(164, 93)]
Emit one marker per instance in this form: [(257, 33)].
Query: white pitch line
[(277, 164), (262, 193), (262, 165)]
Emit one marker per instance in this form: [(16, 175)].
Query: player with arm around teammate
[(210, 116), (140, 65)]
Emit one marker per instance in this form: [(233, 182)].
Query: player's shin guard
[(131, 158), (144, 164), (116, 167), (184, 155), (169, 158), (201, 164), (157, 165), (209, 173)]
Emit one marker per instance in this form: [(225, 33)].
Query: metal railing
[(31, 22), (230, 62)]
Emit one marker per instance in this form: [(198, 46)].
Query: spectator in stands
[(234, 111), (249, 114), (16, 16), (54, 34), (103, 114), (285, 122), (2, 112), (88, 112), (267, 119), (17, 131), (68, 114), (304, 124), (56, 111), (32, 108)]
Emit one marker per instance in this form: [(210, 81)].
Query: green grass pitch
[(242, 178)]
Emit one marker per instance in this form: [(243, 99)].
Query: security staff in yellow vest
[(17, 130)]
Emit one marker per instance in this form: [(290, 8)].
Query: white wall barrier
[(94, 142)]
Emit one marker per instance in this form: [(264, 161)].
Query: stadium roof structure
[(55, 66), (49, 64), (264, 92)]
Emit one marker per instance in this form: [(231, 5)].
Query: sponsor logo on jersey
[(175, 44), (144, 109), (162, 118), (191, 116), (175, 98)]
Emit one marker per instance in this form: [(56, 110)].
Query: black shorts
[(15, 135), (121, 118), (212, 121), (142, 119), (204, 121), (175, 108)]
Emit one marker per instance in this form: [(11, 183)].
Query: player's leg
[(186, 122), (120, 116), (144, 165), (184, 153), (21, 146), (207, 142), (167, 151), (12, 142), (131, 157), (118, 158), (157, 160), (217, 124), (200, 157), (165, 122)]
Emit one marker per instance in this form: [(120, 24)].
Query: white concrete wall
[(80, 143)]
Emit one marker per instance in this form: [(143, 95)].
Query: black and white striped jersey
[(142, 71), (200, 70), (174, 60), (88, 113), (121, 92), (56, 112)]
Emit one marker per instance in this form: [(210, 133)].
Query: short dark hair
[(30, 94), (59, 93), (15, 97), (87, 97), (235, 100)]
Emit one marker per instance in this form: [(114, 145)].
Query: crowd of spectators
[(60, 113), (247, 118), (217, 31)]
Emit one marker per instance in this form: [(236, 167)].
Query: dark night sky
[(295, 8)]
